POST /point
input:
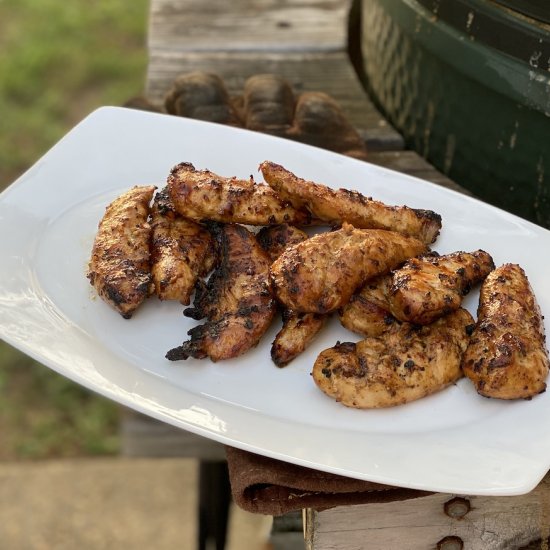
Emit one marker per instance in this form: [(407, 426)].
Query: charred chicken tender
[(399, 366), (337, 206), (299, 329), (298, 332), (236, 300), (181, 251), (119, 267), (507, 356), (368, 311), (321, 274), (203, 195), (428, 287), (275, 239)]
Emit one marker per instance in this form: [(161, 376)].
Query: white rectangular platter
[(454, 441)]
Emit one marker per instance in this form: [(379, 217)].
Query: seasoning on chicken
[(299, 329), (402, 365), (275, 239), (368, 311), (341, 205), (507, 356), (236, 301), (428, 287), (202, 195), (321, 274), (119, 267), (181, 251)]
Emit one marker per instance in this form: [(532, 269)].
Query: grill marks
[(416, 332), (507, 356), (203, 195), (236, 301), (181, 251), (299, 329), (428, 287), (401, 365), (337, 206), (321, 274), (119, 267)]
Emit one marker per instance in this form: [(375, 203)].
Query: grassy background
[(60, 60)]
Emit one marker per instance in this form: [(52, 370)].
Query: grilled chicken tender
[(368, 311), (299, 329), (181, 251), (341, 205), (321, 274), (507, 356), (203, 195), (402, 365), (275, 239), (119, 267), (426, 288), (236, 301)]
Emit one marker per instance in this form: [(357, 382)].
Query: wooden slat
[(305, 41), (493, 523), (253, 25), (142, 436), (409, 162)]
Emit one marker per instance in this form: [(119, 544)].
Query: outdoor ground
[(60, 60)]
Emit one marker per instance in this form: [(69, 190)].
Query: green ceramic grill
[(467, 82)]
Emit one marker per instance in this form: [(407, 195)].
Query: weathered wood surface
[(253, 25), (142, 436), (492, 523), (304, 41)]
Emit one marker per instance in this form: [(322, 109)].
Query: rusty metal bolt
[(450, 543), (457, 507)]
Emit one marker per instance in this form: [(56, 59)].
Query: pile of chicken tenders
[(373, 268)]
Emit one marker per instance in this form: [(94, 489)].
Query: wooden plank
[(305, 41), (248, 25), (287, 532), (409, 162), (142, 436), (492, 523), (305, 72)]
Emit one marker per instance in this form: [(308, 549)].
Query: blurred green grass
[(60, 61)]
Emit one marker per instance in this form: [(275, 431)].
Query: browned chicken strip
[(236, 300), (203, 195), (341, 205), (402, 365), (181, 251), (321, 274), (426, 288), (275, 239), (507, 356), (298, 332), (299, 329), (368, 311), (119, 267)]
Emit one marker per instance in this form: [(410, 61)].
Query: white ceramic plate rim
[(455, 442)]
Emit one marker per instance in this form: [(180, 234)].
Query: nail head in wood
[(457, 507), (450, 543)]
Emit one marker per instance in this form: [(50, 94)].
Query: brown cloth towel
[(264, 485)]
